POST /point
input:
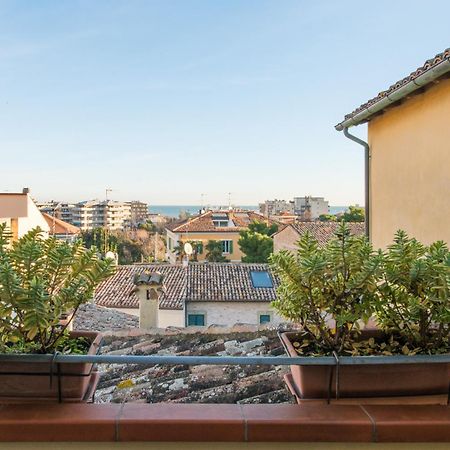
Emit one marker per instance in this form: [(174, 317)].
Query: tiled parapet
[(223, 423)]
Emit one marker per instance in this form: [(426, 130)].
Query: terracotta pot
[(367, 381), (26, 381)]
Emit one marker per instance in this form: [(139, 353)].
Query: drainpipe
[(366, 176)]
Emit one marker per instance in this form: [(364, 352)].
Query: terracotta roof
[(204, 222), (198, 282), (60, 227), (370, 106), (324, 231)]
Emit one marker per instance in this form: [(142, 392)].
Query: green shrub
[(41, 280)]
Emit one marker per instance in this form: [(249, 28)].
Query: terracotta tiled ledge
[(223, 423)]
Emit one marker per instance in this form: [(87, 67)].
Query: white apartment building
[(310, 208), (109, 214), (276, 207)]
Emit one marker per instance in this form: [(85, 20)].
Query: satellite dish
[(188, 249), (110, 255)]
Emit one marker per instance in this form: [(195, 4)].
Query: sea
[(176, 210)]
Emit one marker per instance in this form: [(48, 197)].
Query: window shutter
[(231, 246), (200, 248)]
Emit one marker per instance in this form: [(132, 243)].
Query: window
[(220, 223), (261, 279), (227, 246), (196, 320), (264, 318)]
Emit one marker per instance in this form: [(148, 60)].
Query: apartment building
[(276, 207), (109, 214), (61, 210), (310, 208), (138, 212)]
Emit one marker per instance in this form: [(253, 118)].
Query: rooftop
[(197, 282), (204, 222), (423, 75), (323, 231), (58, 226)]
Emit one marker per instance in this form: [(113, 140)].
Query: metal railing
[(151, 360)]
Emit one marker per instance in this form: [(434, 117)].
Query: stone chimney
[(149, 287)]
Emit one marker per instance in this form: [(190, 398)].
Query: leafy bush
[(406, 288), (256, 242), (414, 292), (41, 280), (336, 281)]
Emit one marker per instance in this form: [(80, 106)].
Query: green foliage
[(354, 214), (327, 218), (214, 252), (337, 281), (129, 248), (406, 288), (40, 280), (256, 242), (414, 292)]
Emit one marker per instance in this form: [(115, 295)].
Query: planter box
[(26, 381), (391, 381)]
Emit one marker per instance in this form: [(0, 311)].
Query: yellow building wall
[(236, 255), (410, 168)]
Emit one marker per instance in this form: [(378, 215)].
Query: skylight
[(261, 279)]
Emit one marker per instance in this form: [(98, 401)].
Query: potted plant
[(41, 280), (332, 291)]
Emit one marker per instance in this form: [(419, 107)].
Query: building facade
[(223, 226), (276, 207), (138, 212), (408, 156), (310, 208), (102, 214), (21, 214)]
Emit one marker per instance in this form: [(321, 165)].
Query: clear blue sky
[(165, 100)]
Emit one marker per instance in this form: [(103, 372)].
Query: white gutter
[(422, 80)]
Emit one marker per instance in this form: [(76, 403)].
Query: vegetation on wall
[(256, 242)]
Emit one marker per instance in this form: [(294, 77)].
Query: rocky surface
[(193, 384), (93, 317)]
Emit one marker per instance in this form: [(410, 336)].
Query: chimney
[(25, 190), (149, 287)]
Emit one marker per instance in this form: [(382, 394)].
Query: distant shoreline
[(175, 210)]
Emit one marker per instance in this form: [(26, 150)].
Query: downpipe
[(366, 176)]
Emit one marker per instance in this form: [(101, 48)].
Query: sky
[(164, 101)]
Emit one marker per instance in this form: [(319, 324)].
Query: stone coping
[(168, 422)]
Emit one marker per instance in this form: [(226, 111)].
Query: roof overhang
[(396, 93)]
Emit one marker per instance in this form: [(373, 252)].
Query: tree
[(214, 252), (255, 242), (327, 218), (354, 214)]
